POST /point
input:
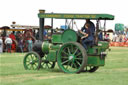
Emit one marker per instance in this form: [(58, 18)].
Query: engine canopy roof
[(76, 16)]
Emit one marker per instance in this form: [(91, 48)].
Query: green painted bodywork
[(76, 16), (52, 55), (55, 47), (96, 61), (56, 38), (103, 45), (94, 53), (47, 47), (69, 35)]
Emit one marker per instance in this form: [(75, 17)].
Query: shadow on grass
[(54, 70)]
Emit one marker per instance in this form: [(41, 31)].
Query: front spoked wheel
[(32, 61), (72, 57)]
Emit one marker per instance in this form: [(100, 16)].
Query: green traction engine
[(65, 47)]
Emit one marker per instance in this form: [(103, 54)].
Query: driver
[(92, 26), (87, 39)]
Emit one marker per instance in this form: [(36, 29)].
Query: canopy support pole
[(104, 27), (97, 30)]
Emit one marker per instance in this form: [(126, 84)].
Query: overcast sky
[(25, 11)]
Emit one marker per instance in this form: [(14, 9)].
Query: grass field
[(115, 72)]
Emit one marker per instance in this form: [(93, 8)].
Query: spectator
[(8, 43), (30, 44), (120, 38), (125, 38), (37, 35), (127, 34), (21, 45), (100, 35), (17, 35), (1, 45), (114, 37)]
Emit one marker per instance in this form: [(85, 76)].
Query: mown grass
[(115, 72)]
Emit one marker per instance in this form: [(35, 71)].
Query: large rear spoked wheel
[(72, 57), (32, 61)]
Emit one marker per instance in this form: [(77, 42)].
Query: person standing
[(114, 37), (21, 45), (30, 44), (8, 43), (1, 45)]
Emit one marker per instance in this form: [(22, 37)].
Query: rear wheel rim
[(70, 58)]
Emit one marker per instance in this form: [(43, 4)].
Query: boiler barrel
[(44, 47)]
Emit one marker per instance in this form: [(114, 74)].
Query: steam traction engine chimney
[(41, 29)]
